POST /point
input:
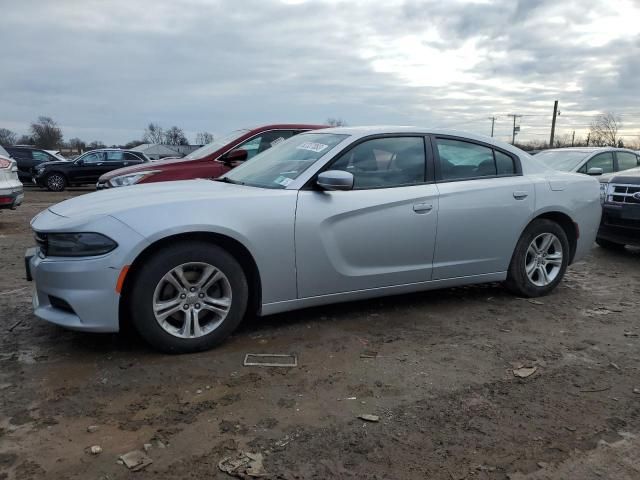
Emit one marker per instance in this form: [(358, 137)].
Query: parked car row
[(321, 217)]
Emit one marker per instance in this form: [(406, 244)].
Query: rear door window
[(39, 157), (114, 156), (626, 160)]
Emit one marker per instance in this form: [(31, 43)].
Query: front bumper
[(102, 185), (621, 224), (78, 294), (10, 198)]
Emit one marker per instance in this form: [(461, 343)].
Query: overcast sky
[(104, 69)]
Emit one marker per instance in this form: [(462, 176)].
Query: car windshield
[(217, 144), (566, 160), (280, 165)]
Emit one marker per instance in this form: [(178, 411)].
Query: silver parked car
[(590, 160), (328, 216)]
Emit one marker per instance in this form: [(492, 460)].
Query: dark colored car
[(87, 168), (28, 158), (210, 161), (620, 224)]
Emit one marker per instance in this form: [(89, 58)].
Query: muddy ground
[(441, 380)]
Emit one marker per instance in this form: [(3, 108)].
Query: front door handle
[(422, 207), (520, 195)]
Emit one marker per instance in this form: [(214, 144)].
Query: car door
[(484, 205), (379, 234), (25, 163), (114, 159), (602, 160), (86, 168)]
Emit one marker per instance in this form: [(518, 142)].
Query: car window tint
[(94, 157), (626, 160), (131, 157), (264, 141), (460, 160), (39, 156), (384, 162), (114, 156), (602, 160), (504, 164)]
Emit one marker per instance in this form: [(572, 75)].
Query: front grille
[(613, 221), (41, 241), (623, 194)]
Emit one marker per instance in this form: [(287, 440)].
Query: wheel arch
[(239, 251), (570, 228)]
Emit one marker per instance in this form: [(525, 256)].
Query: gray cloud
[(105, 69)]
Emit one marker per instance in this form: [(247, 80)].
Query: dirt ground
[(437, 368)]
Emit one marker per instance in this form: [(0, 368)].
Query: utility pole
[(573, 137), (493, 122), (513, 136), (553, 123), (588, 138)]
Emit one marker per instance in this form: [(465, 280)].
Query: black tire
[(518, 282), (56, 182), (609, 245), (141, 296)]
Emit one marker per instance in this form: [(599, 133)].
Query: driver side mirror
[(595, 171), (80, 162), (238, 155), (335, 180)]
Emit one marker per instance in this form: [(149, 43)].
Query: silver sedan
[(327, 216)]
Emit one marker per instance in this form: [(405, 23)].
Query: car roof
[(287, 126), (587, 149)]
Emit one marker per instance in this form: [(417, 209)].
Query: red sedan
[(210, 161)]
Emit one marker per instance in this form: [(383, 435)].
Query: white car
[(11, 193), (589, 160)]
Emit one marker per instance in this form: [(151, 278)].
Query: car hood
[(151, 165), (115, 201), (626, 176)]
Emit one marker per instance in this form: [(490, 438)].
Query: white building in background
[(156, 151)]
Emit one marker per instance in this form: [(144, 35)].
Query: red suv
[(210, 161)]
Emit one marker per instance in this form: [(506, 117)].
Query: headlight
[(604, 189), (84, 244), (131, 178)]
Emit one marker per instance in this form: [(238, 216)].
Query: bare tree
[(77, 144), (336, 122), (153, 134), (175, 136), (132, 144), (7, 137), (95, 145), (604, 130), (202, 138), (46, 133), (25, 140)]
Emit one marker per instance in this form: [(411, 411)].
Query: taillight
[(4, 163)]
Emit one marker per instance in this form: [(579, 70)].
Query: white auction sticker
[(282, 180), (314, 147)]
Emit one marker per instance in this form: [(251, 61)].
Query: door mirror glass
[(594, 171), (335, 180), (238, 155), (80, 162)]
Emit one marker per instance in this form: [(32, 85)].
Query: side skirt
[(278, 307)]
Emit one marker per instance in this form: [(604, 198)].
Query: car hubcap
[(544, 259), (55, 182), (192, 300)]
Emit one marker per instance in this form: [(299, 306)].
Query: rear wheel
[(188, 297), (56, 182), (540, 259), (609, 245)]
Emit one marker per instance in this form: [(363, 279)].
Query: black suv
[(28, 158), (620, 224), (87, 168)]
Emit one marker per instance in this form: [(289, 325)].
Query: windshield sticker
[(282, 180), (314, 147), (277, 141)]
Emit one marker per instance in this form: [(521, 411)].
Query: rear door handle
[(520, 195), (422, 207)]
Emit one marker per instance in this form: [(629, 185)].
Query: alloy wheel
[(543, 261), (192, 300), (55, 182)]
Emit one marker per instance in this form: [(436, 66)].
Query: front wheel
[(188, 297), (540, 259), (56, 182)]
